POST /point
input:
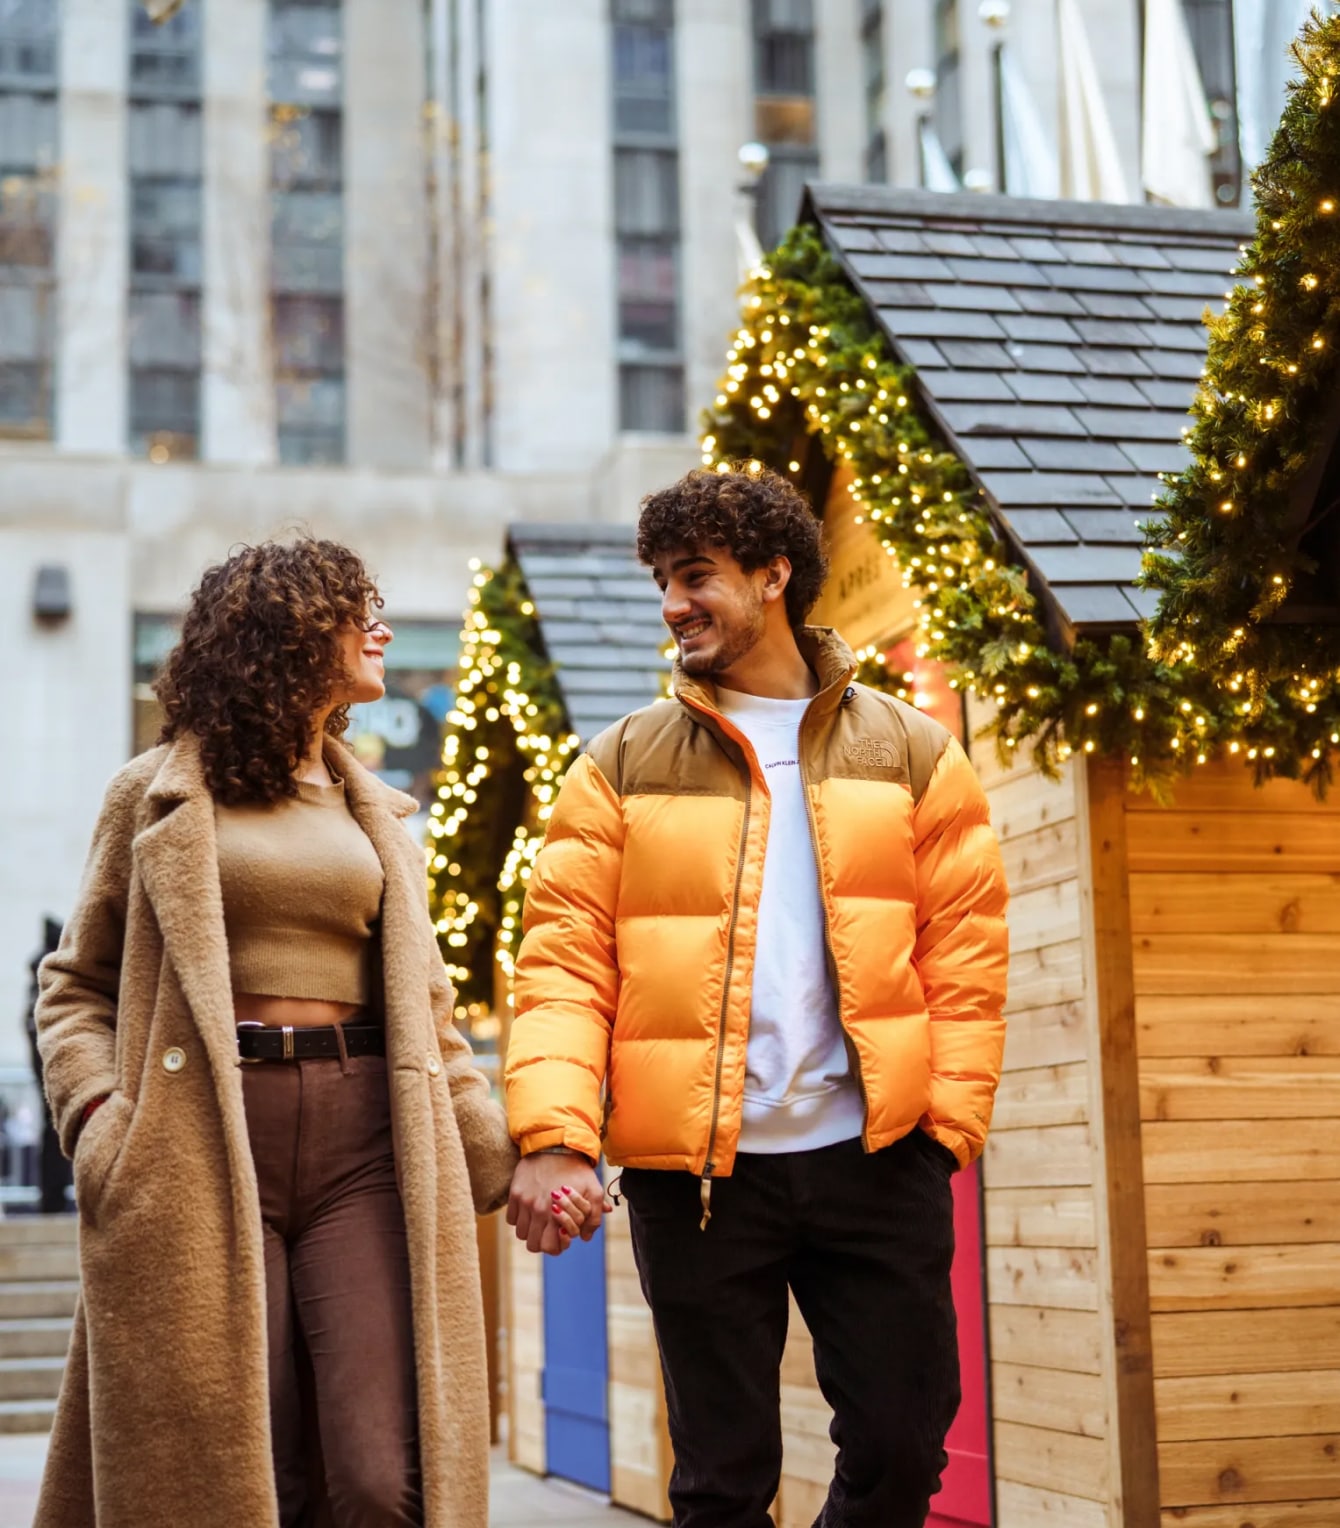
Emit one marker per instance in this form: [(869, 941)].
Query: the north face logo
[(870, 753)]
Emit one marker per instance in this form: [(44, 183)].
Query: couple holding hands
[(762, 972)]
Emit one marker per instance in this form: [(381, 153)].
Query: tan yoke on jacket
[(636, 970)]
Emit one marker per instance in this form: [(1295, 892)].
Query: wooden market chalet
[(1148, 1274)]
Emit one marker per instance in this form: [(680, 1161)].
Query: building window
[(648, 295), (306, 52), (651, 398), (646, 217), (164, 154), (1210, 23), (308, 227), (28, 154), (165, 56), (872, 61), (784, 109), (643, 78), (949, 83), (646, 191), (784, 47)]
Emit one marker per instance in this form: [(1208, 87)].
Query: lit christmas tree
[(506, 748), (1248, 561)]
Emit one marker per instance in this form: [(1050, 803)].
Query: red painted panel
[(964, 1500)]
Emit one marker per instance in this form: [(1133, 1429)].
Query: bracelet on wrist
[(560, 1151)]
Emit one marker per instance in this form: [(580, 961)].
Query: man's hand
[(537, 1186)]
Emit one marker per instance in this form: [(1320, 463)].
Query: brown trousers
[(338, 1289)]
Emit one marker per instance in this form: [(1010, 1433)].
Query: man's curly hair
[(755, 515), (258, 658)]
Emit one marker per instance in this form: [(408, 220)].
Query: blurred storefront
[(399, 737)]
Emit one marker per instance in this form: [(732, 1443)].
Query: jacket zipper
[(847, 1040), (705, 1186)]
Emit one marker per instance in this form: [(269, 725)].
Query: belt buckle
[(249, 1060)]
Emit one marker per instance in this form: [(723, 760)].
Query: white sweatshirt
[(799, 1093)]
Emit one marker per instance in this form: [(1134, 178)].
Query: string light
[(508, 719), (1258, 410), (975, 612)]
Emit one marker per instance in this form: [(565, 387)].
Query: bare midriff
[(298, 1012)]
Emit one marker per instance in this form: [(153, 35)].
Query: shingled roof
[(1057, 347), (600, 616)]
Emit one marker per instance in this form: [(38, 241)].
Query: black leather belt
[(267, 1042)]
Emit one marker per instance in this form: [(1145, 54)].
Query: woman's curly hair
[(258, 658), (753, 513)]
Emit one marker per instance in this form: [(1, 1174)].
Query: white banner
[(1264, 30), (1178, 133)]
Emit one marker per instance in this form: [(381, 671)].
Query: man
[(54, 1173), (769, 920)]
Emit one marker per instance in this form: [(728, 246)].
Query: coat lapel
[(177, 860)]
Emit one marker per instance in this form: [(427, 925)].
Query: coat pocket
[(96, 1152)]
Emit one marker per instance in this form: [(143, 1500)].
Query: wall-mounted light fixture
[(753, 159), (51, 594)]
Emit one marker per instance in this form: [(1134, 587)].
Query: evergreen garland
[(809, 360), (506, 748), (1228, 553), (1217, 672)]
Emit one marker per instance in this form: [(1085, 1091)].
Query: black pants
[(865, 1243)]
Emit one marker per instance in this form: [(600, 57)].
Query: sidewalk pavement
[(520, 1500)]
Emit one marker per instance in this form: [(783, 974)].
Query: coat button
[(174, 1059), (434, 1066)]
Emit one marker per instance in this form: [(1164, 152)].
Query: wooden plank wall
[(640, 1456), (1235, 912), (1049, 1401), (524, 1343), (807, 1450)]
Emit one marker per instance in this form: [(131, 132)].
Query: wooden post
[(1118, 1178), (524, 1307)]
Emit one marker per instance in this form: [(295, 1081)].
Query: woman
[(279, 1139)]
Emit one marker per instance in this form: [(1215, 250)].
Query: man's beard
[(737, 642)]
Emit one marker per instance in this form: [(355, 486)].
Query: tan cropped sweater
[(302, 893)]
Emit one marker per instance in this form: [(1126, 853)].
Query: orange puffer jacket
[(636, 969)]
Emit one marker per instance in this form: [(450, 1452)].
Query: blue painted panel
[(580, 1392), (575, 1383)]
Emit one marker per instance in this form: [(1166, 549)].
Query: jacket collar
[(830, 659)]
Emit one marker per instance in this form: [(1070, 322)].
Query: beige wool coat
[(163, 1418)]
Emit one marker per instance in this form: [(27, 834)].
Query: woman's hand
[(537, 1188), (570, 1210)]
